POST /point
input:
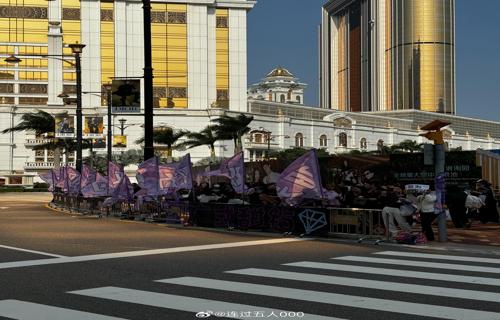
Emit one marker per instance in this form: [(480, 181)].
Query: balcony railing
[(36, 142), (44, 165), (260, 145)]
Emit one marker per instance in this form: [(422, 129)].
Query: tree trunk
[(169, 154), (212, 153), (57, 158)]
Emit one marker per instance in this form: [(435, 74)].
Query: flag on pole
[(115, 176), (148, 177), (73, 179), (301, 180), (61, 178), (234, 169), (96, 188), (184, 174), (48, 177), (88, 176), (166, 180)]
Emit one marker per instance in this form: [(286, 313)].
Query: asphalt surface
[(87, 268)]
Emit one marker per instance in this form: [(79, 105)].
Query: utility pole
[(148, 82)]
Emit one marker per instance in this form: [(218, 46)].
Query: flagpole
[(320, 181)]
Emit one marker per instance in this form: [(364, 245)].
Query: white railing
[(260, 145), (44, 165), (35, 142)]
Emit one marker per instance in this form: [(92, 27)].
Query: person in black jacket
[(455, 201)]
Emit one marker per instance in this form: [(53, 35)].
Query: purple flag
[(89, 175), (148, 177), (125, 190), (60, 178), (301, 180), (183, 174), (175, 176), (115, 176), (234, 169), (73, 179), (97, 188), (48, 177)]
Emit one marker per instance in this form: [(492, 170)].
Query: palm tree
[(206, 137), (40, 123), (168, 137), (233, 128)]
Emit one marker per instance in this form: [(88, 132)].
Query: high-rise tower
[(381, 55)]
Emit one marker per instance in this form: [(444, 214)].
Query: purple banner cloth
[(97, 188), (148, 177), (301, 180), (234, 169), (88, 176), (439, 184), (115, 176), (73, 179), (184, 174), (48, 177), (60, 178)]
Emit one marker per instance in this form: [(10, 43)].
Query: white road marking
[(437, 256), (182, 303), (32, 251), (3, 208), (105, 256), (21, 310), (398, 273), (372, 284), (337, 299), (424, 264)]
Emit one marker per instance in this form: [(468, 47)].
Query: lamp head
[(76, 48), (12, 59)]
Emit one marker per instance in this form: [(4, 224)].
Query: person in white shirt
[(425, 204)]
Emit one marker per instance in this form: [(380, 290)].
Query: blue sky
[(284, 32)]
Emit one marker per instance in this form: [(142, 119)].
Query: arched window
[(343, 140), (298, 99), (380, 145), (363, 145), (323, 141), (299, 140), (282, 98), (257, 138)]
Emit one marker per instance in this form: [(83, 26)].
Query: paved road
[(56, 266)]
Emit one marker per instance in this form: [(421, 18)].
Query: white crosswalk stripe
[(337, 299), (22, 310), (176, 302), (424, 264), (390, 273), (438, 256), (397, 273), (373, 284)]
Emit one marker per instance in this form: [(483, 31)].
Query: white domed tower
[(280, 85)]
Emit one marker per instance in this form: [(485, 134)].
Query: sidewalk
[(478, 234)]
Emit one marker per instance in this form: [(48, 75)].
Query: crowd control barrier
[(364, 224)]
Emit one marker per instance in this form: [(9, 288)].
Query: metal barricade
[(363, 224)]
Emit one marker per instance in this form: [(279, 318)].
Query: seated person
[(392, 213)]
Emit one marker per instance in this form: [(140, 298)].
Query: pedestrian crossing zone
[(381, 285)]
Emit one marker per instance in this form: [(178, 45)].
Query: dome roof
[(279, 72)]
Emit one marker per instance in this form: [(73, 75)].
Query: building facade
[(280, 85), (382, 55), (199, 62)]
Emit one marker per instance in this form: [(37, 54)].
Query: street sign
[(126, 96)]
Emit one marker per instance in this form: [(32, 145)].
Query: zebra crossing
[(433, 278)]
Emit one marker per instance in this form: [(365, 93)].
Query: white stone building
[(280, 85)]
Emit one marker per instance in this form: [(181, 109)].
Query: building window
[(299, 140), (380, 145), (323, 141), (257, 138), (343, 140), (298, 99), (363, 145), (282, 98)]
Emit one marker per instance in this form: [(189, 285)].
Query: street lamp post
[(109, 145), (148, 82), (77, 49)]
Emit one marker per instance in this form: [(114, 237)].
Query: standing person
[(455, 201), (488, 212), (425, 205)]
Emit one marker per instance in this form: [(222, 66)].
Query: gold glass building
[(382, 55), (198, 50)]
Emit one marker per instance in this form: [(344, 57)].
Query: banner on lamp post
[(126, 96), (93, 127), (119, 142), (64, 126)]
